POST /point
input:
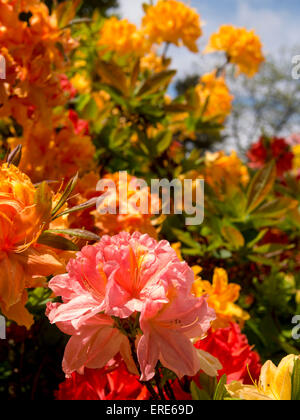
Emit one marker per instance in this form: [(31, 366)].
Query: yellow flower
[(225, 174), (81, 83), (296, 151), (221, 297), (122, 37), (242, 47), (152, 62), (174, 22), (213, 94), (274, 383)]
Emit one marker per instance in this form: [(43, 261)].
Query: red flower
[(257, 155), (80, 126), (279, 147), (67, 86), (275, 236), (110, 383), (285, 163), (266, 150), (231, 347)]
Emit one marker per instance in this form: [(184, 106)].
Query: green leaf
[(66, 11), (175, 108), (66, 194), (233, 236), (262, 260), (258, 238), (276, 208), (113, 75), (88, 204), (77, 233), (156, 82), (15, 156), (163, 141), (260, 186), (57, 242), (135, 74), (221, 392), (199, 394), (43, 200), (186, 238)]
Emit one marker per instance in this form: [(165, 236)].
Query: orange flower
[(56, 151), (131, 222), (214, 95), (225, 174), (122, 38), (37, 51), (153, 62), (24, 214), (222, 297), (174, 22), (242, 47)]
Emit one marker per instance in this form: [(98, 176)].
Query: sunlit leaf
[(77, 233), (66, 194), (57, 242), (113, 75), (156, 82), (233, 236), (261, 186)]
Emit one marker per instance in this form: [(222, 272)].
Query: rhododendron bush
[(134, 305)]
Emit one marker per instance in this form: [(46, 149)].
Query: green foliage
[(209, 389), (89, 6)]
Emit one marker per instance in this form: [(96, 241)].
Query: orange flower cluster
[(30, 47), (122, 37), (242, 47), (214, 97), (173, 22), (225, 174), (24, 213), (35, 50), (55, 152), (112, 224)]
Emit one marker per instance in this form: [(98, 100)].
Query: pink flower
[(137, 267), (167, 335), (80, 126), (136, 277)]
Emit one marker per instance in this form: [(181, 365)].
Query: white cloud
[(276, 27), (131, 10)]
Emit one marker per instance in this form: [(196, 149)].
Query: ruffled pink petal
[(76, 312), (97, 343)]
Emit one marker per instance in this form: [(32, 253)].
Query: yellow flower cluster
[(152, 62), (242, 47), (225, 173), (274, 383), (222, 297), (214, 97), (174, 22), (123, 38)]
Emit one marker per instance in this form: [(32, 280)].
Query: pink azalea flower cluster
[(131, 294)]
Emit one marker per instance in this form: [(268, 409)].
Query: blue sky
[(276, 22)]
